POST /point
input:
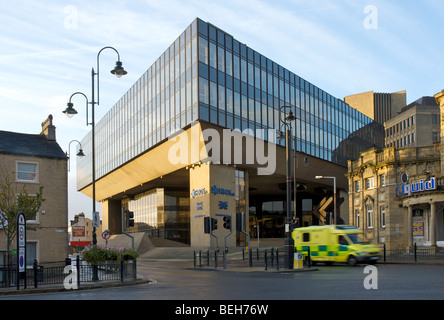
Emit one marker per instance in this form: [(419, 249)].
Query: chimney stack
[(48, 129)]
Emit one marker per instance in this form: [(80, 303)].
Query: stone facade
[(49, 241), (397, 195)]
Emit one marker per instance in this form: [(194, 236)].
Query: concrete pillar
[(212, 189), (433, 224)]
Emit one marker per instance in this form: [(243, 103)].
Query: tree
[(13, 199)]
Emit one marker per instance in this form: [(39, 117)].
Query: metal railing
[(413, 254), (57, 273), (271, 258), (277, 258)]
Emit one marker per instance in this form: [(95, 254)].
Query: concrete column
[(410, 226), (433, 224), (212, 188)]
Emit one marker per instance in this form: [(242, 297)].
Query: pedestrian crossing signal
[(129, 218), (227, 222)]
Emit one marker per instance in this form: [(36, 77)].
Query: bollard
[(200, 259), (385, 253), (208, 258), (272, 257), (414, 248), (309, 258), (35, 273), (215, 258), (194, 259), (78, 270), (265, 258), (121, 268), (250, 259), (277, 259)]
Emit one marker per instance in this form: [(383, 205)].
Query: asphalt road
[(177, 281)]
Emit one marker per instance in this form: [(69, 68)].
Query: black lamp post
[(70, 111), (289, 243)]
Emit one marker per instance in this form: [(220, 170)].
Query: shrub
[(97, 253)]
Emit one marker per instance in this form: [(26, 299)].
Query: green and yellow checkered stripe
[(335, 250)]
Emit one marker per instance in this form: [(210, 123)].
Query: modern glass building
[(207, 76)]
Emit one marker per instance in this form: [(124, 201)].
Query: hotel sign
[(409, 188)]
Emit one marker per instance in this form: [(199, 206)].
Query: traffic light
[(213, 224), (207, 225), (227, 222), (129, 218)]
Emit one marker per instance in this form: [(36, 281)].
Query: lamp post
[(289, 244), (79, 154), (334, 194), (70, 111)]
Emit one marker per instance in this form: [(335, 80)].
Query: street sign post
[(106, 235), (21, 248)]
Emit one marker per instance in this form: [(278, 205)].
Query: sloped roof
[(423, 101), (29, 145)]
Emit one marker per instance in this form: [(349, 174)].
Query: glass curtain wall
[(161, 214), (164, 99), (241, 89), (208, 75)]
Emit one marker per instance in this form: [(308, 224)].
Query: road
[(178, 281)]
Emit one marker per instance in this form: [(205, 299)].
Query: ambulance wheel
[(352, 260)]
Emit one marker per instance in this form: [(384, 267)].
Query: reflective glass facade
[(208, 75)]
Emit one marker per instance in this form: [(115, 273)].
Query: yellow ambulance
[(335, 243)]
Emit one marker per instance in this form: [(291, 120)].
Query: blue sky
[(48, 47)]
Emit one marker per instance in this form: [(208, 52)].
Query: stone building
[(397, 195), (35, 160)]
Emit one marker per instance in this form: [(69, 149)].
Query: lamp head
[(319, 177), (290, 116), (280, 135), (80, 153), (118, 70), (70, 111)]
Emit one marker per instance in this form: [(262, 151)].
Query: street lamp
[(70, 111), (289, 244), (79, 154), (334, 194)]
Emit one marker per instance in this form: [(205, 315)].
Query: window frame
[(36, 177)]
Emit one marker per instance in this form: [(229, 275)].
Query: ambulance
[(335, 243)]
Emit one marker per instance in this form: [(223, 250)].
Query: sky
[(48, 48)]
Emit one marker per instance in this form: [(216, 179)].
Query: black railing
[(71, 273), (271, 258), (277, 258), (413, 254)]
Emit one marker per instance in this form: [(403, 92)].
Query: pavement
[(173, 257)]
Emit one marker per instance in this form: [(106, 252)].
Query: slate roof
[(29, 145)]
